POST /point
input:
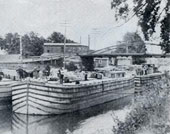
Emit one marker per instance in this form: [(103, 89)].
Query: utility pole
[(21, 48), (127, 47), (89, 42), (65, 24), (65, 31)]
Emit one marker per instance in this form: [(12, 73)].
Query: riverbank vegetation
[(149, 112)]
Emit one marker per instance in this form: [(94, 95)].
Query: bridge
[(144, 55), (151, 50)]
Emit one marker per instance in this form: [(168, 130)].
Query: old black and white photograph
[(84, 66)]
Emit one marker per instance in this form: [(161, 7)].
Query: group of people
[(146, 69), (35, 73), (67, 77)]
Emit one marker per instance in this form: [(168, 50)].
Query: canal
[(95, 120)]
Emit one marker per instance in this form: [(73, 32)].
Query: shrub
[(148, 110)]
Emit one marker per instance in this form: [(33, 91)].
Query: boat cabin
[(117, 74), (113, 74), (101, 62)]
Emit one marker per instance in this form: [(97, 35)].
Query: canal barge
[(44, 98)]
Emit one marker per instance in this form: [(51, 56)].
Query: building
[(124, 61), (70, 48), (153, 48)]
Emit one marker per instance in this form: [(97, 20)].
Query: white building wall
[(101, 62), (124, 61)]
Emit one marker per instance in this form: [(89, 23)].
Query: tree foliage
[(2, 43), (151, 14), (57, 37), (12, 43), (134, 43), (150, 110), (32, 42)]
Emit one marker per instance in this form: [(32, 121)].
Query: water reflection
[(5, 121), (62, 124), (92, 119)]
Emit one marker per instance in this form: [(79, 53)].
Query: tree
[(134, 43), (27, 47), (151, 14), (32, 44), (2, 43), (12, 43), (57, 37)]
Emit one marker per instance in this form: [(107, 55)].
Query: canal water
[(96, 120)]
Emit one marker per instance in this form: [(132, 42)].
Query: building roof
[(61, 44)]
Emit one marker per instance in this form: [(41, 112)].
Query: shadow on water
[(5, 120), (59, 124)]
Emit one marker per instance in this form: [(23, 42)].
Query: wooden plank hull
[(44, 99)]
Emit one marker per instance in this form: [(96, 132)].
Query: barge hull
[(41, 99), (5, 97)]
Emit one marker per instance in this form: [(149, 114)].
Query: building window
[(48, 51)]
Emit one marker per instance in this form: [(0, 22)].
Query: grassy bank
[(149, 112)]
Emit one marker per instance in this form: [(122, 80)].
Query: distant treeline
[(32, 42)]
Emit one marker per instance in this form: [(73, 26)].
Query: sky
[(83, 18)]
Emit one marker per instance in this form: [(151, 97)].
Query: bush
[(149, 110)]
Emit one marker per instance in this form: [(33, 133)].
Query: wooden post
[(27, 97)]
